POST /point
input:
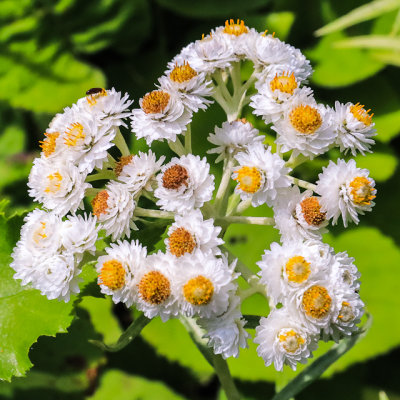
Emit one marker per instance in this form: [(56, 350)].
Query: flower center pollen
[(99, 203), (182, 73), (73, 134), (285, 83), (175, 176), (198, 291), (112, 275), (311, 210), (249, 179), (119, 166), (155, 102), (305, 119), (362, 191), (154, 288), (181, 241), (316, 302), (92, 95), (48, 144), (297, 269), (291, 341), (361, 114), (54, 182), (236, 29), (40, 233), (346, 312)]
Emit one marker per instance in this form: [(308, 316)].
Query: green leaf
[(370, 42), (278, 22), (387, 125), (381, 165)]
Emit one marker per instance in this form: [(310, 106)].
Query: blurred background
[(52, 51)]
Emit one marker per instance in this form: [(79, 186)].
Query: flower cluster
[(312, 291)]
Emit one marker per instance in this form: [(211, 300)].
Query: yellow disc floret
[(119, 166), (361, 114), (291, 341), (175, 176), (311, 210), (346, 313), (362, 191), (92, 95), (249, 179), (305, 119), (182, 73), (99, 203), (316, 302), (236, 29), (198, 291), (74, 133), (155, 102), (54, 182), (284, 83), (112, 275), (181, 241), (40, 233), (48, 144), (154, 288), (297, 269)]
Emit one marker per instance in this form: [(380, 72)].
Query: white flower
[(345, 190), (59, 186), (294, 265), (283, 340), (260, 175), (184, 183), (345, 271), (298, 216), (354, 128), (117, 270), (162, 116), (190, 233), (114, 209), (233, 137)]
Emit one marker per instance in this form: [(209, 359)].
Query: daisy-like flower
[(190, 233), (345, 191), (204, 284), (260, 175), (345, 271), (354, 128), (306, 127), (117, 270), (59, 186), (161, 116), (288, 268), (284, 340), (184, 184), (298, 216), (114, 209), (191, 87), (138, 171), (226, 332), (233, 137)]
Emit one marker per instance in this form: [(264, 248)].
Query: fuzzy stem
[(233, 203), (243, 206), (235, 75), (246, 272), (219, 98), (303, 184), (224, 184), (225, 378), (241, 219), (107, 174), (121, 144), (221, 85), (177, 147), (143, 212), (188, 140), (293, 162)]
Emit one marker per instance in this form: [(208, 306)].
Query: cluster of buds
[(312, 291)]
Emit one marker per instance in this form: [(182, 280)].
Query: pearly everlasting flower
[(345, 191), (162, 116), (114, 209), (344, 270), (184, 183), (190, 232), (233, 137), (59, 186), (354, 128), (284, 340), (260, 175)]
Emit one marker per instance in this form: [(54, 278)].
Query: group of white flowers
[(312, 292)]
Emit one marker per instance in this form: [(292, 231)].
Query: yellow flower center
[(175, 176), (316, 302), (48, 144), (198, 291), (291, 341), (362, 191), (305, 119), (297, 269), (154, 288), (92, 95), (182, 73), (236, 29), (73, 134), (112, 275), (119, 166), (249, 179), (54, 182), (155, 102), (99, 203), (346, 312), (39, 234), (284, 83), (244, 121), (361, 114), (181, 241), (311, 210)]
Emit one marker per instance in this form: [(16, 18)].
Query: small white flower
[(184, 184), (345, 191), (344, 270)]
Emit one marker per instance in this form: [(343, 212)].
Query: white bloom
[(190, 233), (184, 183), (260, 175), (345, 190), (233, 137), (345, 271)]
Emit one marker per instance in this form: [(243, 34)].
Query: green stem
[(188, 140), (121, 144), (293, 162), (177, 147), (233, 202), (219, 98), (143, 212), (225, 378), (241, 219), (224, 184), (243, 206), (92, 191), (303, 184), (246, 272), (236, 78), (222, 86), (107, 174)]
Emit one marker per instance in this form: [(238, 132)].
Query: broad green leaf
[(278, 22), (370, 42), (381, 165), (387, 125), (12, 140), (388, 57)]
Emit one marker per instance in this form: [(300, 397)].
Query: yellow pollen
[(182, 73), (119, 166), (305, 119), (154, 288), (244, 121), (92, 95), (346, 312), (297, 269), (48, 144), (236, 29), (181, 241), (316, 302), (54, 182), (99, 203), (198, 291), (155, 102), (175, 176), (112, 275), (284, 83), (362, 191), (311, 210), (249, 179), (73, 134), (291, 341), (39, 233), (361, 114)]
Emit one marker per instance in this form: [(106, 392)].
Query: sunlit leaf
[(370, 42)]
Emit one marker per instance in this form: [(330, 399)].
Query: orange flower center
[(54, 182), (297, 269), (346, 313), (198, 291), (249, 179), (361, 114), (182, 73), (155, 102), (291, 341), (316, 302), (236, 29), (175, 176), (92, 95), (154, 288), (305, 119), (73, 134), (284, 83), (311, 210), (48, 145), (112, 275), (99, 203), (362, 191), (119, 166), (181, 241)]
